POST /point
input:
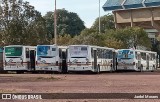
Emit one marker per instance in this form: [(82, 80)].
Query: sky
[(88, 10)]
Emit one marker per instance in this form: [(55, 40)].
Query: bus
[(19, 58), (51, 58), (90, 58), (136, 60)]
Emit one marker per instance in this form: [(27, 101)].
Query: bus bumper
[(15, 68), (80, 68), (126, 68), (47, 68)]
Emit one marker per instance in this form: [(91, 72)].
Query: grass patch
[(7, 91), (48, 78)]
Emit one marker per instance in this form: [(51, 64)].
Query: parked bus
[(19, 58), (90, 58), (136, 60), (51, 58)]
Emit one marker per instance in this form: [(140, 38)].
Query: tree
[(89, 37), (107, 22), (67, 23), (21, 24), (63, 39), (112, 42), (131, 37)]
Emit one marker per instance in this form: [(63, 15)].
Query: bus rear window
[(78, 51), (125, 54), (83, 48), (46, 51), (13, 51)]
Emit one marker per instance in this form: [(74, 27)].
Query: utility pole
[(55, 25), (99, 18)]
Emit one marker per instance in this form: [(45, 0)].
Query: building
[(142, 13)]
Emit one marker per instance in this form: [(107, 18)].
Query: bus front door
[(95, 60), (64, 62), (32, 59), (147, 61), (114, 64), (140, 67)]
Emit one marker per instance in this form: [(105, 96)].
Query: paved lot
[(129, 82)]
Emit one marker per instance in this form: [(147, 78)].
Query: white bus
[(19, 58), (136, 60), (90, 58), (51, 58)]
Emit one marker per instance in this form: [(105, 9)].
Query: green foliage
[(113, 43), (121, 38), (131, 37), (106, 21), (63, 39), (88, 37), (21, 24), (67, 23)]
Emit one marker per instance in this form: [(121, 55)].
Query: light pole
[(99, 18), (55, 25)]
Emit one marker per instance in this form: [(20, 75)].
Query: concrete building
[(142, 13)]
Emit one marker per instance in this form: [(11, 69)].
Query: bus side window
[(110, 54), (27, 53), (105, 53), (152, 56), (136, 55), (92, 53), (60, 53), (143, 56), (98, 55)]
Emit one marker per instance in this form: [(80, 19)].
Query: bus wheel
[(153, 69), (98, 69), (141, 68), (112, 69), (19, 72)]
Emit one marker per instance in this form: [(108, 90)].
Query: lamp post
[(99, 18), (55, 25)]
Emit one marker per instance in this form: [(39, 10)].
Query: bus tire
[(98, 69), (141, 68), (112, 69), (19, 72), (153, 68), (60, 71)]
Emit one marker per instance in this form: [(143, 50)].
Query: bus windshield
[(125, 54), (13, 51), (78, 51), (46, 51), (1, 49)]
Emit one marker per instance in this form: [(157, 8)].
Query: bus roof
[(20, 46), (95, 47), (138, 50)]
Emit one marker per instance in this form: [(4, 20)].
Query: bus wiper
[(46, 56), (126, 58), (78, 57), (13, 57)]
